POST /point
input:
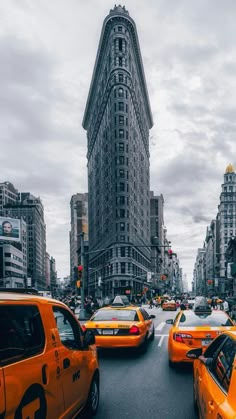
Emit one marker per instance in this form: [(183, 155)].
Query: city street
[(134, 386)]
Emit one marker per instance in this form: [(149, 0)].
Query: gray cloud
[(47, 54)]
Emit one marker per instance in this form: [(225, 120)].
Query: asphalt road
[(143, 386)]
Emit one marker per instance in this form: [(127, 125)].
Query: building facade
[(8, 195), (157, 240), (227, 222), (118, 119), (30, 209), (79, 224)]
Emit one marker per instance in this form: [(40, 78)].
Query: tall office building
[(30, 209), (79, 224), (227, 222), (8, 195), (118, 119), (157, 238)]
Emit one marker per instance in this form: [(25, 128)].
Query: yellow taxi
[(193, 329), (169, 305), (48, 365), (215, 378), (122, 325)]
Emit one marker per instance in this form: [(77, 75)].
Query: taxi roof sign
[(120, 301), (201, 305)]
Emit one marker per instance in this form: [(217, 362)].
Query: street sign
[(149, 277)]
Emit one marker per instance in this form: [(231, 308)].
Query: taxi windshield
[(109, 315), (217, 318)]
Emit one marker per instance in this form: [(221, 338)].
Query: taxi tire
[(143, 347), (195, 405), (93, 397), (171, 364), (152, 337)]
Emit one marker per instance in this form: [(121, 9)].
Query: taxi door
[(215, 381), (74, 372), (209, 394), (31, 388), (148, 322)]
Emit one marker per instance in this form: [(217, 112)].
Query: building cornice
[(106, 29)]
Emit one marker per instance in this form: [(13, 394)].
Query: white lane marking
[(161, 340), (160, 326), (156, 334)]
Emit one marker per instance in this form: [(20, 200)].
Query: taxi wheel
[(93, 397), (195, 405), (143, 347), (152, 337), (171, 364)]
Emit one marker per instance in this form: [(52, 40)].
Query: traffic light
[(170, 253), (78, 283), (75, 273), (80, 275)]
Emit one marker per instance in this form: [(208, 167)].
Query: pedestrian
[(213, 303), (225, 306)]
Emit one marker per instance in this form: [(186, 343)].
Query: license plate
[(107, 332), (206, 342)]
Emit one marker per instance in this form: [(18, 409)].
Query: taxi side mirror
[(89, 338), (170, 321), (194, 353)]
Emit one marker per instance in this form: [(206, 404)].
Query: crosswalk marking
[(160, 326)]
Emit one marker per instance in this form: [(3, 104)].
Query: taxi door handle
[(44, 374), (66, 363), (211, 405)]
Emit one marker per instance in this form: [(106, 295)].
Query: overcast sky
[(47, 55)]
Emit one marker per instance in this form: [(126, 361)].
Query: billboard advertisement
[(10, 229)]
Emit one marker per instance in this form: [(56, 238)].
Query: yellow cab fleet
[(214, 384), (122, 325), (195, 329), (48, 364)]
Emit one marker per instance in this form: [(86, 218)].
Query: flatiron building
[(117, 119)]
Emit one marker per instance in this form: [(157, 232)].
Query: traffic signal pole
[(82, 310)]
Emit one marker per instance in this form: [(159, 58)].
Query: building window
[(121, 106), (122, 213), (122, 228), (119, 28), (122, 187), (121, 78), (121, 120), (120, 92), (121, 133), (121, 173), (121, 147), (121, 160)]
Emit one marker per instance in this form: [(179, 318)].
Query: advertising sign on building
[(10, 229)]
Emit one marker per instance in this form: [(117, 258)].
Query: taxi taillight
[(179, 337), (134, 330)]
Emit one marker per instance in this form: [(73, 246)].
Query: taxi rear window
[(21, 333), (217, 318), (106, 315)]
